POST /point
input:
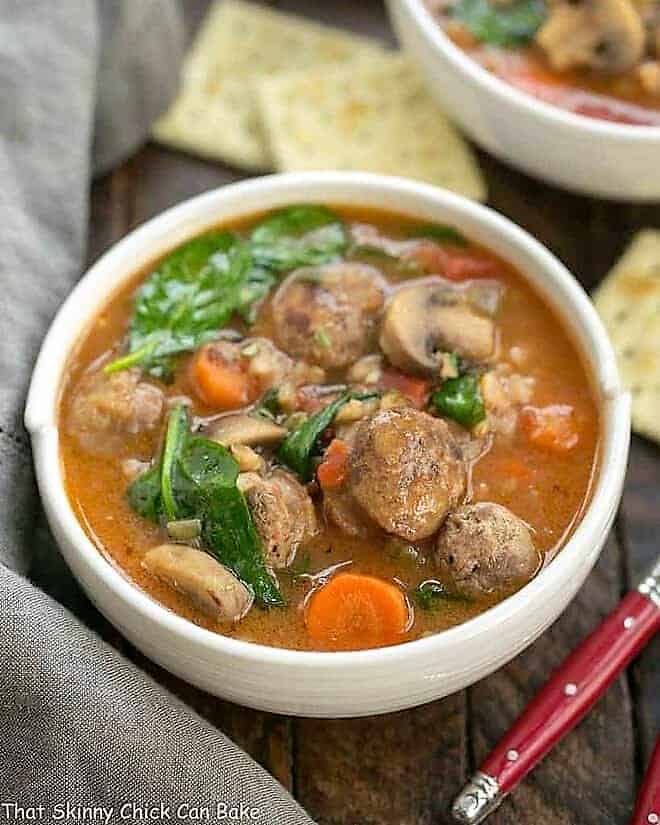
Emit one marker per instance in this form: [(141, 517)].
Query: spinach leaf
[(196, 478), (514, 24), (193, 293), (269, 404), (440, 233), (144, 494), (175, 438), (304, 235), (206, 489), (299, 447), (460, 399), (431, 594)]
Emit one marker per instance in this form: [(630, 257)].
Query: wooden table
[(404, 768)]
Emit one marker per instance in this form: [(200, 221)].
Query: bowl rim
[(67, 326), (477, 75)]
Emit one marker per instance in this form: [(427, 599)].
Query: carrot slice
[(220, 383), (551, 428), (415, 389), (334, 467), (354, 611)]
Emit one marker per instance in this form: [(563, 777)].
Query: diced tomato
[(415, 389), (461, 266), (334, 467), (453, 263), (430, 256), (551, 428)]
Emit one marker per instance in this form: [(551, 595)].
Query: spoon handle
[(647, 810), (565, 699)]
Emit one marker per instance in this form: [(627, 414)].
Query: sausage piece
[(206, 582), (406, 471), (283, 514), (327, 314), (483, 548), (105, 408)]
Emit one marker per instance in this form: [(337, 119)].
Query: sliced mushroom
[(206, 582), (250, 430), (427, 319), (605, 35)]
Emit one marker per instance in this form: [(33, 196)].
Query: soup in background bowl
[(507, 96), (329, 444), (598, 58)]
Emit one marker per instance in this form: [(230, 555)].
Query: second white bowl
[(583, 154)]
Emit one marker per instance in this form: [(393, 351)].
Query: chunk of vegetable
[(299, 447), (551, 428), (144, 494), (188, 298), (221, 384), (241, 428), (184, 529), (202, 485), (460, 399), (501, 24), (212, 587), (416, 390), (334, 467), (304, 235), (354, 611), (175, 437)]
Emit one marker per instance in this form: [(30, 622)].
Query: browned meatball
[(105, 408), (327, 314), (406, 471), (283, 514), (482, 548)]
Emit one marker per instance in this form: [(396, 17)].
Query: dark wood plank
[(589, 778), (611, 229), (366, 17), (639, 529), (399, 768)]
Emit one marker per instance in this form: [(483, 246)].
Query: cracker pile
[(263, 90), (628, 301)]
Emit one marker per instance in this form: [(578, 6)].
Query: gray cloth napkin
[(80, 81)]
